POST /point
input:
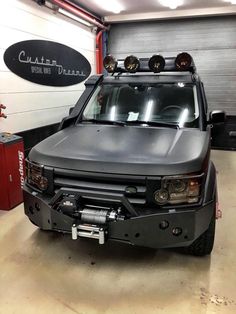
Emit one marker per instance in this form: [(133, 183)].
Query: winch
[(92, 219), (99, 217), (93, 224)]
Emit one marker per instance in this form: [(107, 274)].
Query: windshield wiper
[(115, 122), (123, 123), (154, 123)]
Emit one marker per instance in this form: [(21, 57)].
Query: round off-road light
[(110, 63), (161, 196), (131, 64), (183, 61), (156, 63)]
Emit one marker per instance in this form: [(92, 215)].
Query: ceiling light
[(232, 1), (183, 117), (148, 110), (172, 4), (113, 112), (74, 17), (110, 5)]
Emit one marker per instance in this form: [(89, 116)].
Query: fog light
[(164, 224), (177, 231), (161, 196)]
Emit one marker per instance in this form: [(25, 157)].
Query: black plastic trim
[(104, 196)]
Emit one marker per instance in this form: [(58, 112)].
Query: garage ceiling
[(131, 10)]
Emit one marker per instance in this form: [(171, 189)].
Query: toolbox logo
[(21, 167), (47, 63)]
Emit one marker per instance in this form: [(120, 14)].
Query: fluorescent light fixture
[(183, 117), (172, 4), (74, 17), (110, 5), (231, 1), (112, 114), (148, 110)]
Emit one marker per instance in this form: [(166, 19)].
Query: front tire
[(204, 244)]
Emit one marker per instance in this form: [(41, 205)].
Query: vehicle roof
[(150, 78)]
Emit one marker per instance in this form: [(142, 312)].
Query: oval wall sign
[(47, 63)]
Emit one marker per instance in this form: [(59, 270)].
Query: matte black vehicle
[(131, 162)]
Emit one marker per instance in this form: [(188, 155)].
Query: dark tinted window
[(174, 103)]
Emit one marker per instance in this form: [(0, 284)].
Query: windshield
[(161, 103)]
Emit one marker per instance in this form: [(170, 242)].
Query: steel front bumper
[(141, 230)]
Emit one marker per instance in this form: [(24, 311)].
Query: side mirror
[(217, 116)]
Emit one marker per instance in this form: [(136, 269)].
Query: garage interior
[(43, 271)]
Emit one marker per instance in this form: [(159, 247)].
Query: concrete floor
[(43, 272)]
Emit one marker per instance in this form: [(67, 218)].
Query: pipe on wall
[(89, 18), (75, 4), (80, 13), (99, 57)]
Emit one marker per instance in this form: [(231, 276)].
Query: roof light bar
[(157, 63)]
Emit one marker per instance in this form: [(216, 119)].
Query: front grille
[(102, 183)]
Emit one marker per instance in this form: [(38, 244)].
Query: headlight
[(161, 196), (179, 190), (35, 176)]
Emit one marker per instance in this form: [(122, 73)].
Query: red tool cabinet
[(11, 170)]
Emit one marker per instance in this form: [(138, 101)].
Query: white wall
[(31, 105)]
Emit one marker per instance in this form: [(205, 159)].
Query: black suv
[(131, 162)]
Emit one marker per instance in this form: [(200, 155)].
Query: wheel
[(204, 244)]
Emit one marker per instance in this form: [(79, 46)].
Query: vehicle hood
[(134, 150)]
